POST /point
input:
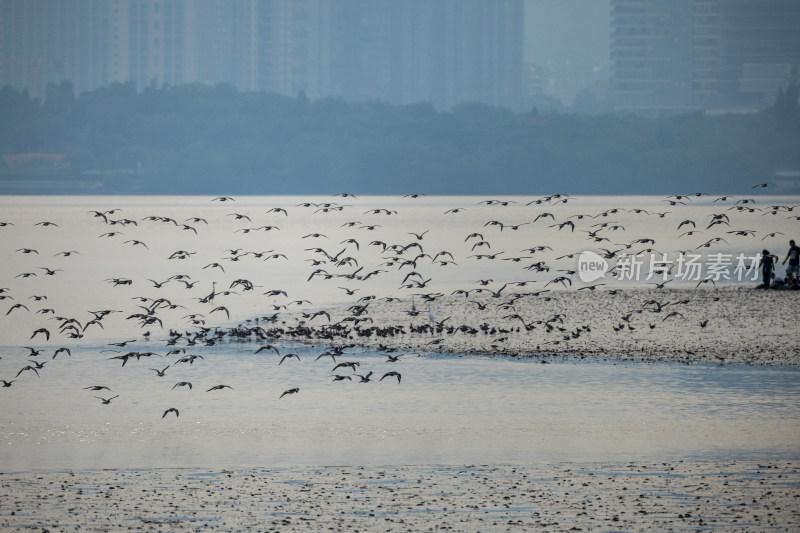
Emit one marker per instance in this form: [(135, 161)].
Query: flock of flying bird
[(346, 267)]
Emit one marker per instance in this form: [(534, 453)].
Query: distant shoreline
[(99, 185)]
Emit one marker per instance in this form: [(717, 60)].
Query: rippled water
[(449, 410)]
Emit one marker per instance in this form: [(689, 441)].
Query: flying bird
[(42, 331), (160, 372), (365, 379), (16, 306), (222, 308), (287, 356), (28, 367), (350, 364), (219, 387), (60, 350), (389, 374), (267, 347), (106, 401)]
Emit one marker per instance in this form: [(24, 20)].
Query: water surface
[(448, 410)]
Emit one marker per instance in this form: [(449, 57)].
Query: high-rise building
[(293, 47), (680, 55), (49, 41), (759, 50), (223, 42), (150, 40), (445, 52), (651, 54)]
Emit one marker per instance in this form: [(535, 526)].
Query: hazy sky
[(577, 31)]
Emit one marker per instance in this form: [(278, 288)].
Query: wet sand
[(678, 496), (744, 326), (720, 326)]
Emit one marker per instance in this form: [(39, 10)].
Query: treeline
[(198, 139)]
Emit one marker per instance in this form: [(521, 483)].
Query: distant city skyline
[(596, 56), (445, 52), (281, 45)]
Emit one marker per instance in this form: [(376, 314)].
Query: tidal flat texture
[(677, 496), (723, 326)]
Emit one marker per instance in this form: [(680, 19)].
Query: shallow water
[(447, 410)]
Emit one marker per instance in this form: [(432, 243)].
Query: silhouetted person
[(794, 259), (767, 266)]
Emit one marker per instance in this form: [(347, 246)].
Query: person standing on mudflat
[(767, 266), (794, 259)]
